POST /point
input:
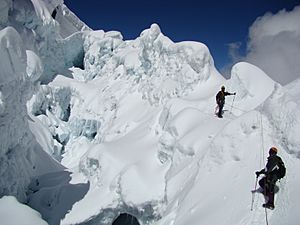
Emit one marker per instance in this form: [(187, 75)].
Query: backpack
[(281, 170), (219, 97)]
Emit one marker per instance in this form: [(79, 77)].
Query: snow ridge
[(93, 126)]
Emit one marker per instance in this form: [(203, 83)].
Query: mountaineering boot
[(268, 205), (259, 190)]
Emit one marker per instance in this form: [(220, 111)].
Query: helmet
[(222, 88), (273, 150)]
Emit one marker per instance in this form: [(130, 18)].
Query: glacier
[(94, 126)]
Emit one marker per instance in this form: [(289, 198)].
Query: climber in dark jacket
[(220, 99), (268, 182)]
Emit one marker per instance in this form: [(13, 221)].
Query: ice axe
[(253, 193), (232, 102)]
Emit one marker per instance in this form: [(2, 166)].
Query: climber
[(53, 14), (220, 99), (273, 171)]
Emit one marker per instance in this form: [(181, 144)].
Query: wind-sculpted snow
[(252, 85), (132, 122)]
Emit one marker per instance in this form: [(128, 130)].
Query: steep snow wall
[(34, 47), (133, 121), (45, 34), (20, 154)]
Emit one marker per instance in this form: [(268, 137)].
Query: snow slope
[(12, 213), (103, 126)]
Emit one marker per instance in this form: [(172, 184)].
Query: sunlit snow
[(94, 126)]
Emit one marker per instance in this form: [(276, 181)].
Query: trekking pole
[(266, 213), (253, 193), (232, 104)]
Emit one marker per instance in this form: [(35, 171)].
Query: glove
[(257, 173)]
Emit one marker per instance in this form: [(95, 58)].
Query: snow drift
[(94, 126)]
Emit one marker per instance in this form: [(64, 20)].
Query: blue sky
[(214, 23)]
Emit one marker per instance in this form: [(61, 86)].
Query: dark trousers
[(268, 186), (220, 105)]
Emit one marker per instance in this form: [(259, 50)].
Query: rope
[(263, 158), (242, 110), (266, 213)]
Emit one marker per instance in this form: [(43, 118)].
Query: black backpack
[(281, 170), (219, 97)]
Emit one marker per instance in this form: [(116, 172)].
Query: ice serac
[(133, 122), (46, 34), (161, 68), (20, 154), (68, 21)]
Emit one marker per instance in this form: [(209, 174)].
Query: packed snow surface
[(12, 212), (93, 126)]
